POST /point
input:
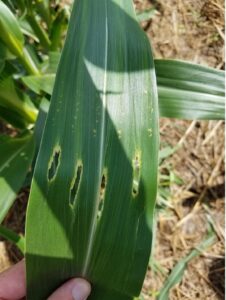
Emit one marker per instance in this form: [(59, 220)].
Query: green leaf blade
[(15, 159), (189, 91), (177, 273), (19, 103), (10, 31), (102, 135), (146, 15), (185, 90), (42, 83), (14, 238)]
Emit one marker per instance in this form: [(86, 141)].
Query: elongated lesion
[(102, 194), (136, 174), (54, 163), (75, 184)]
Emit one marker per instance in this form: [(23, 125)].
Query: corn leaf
[(27, 30), (11, 99), (146, 15), (40, 123), (13, 118), (2, 65), (186, 91), (10, 31), (39, 84), (177, 273), (43, 7), (15, 158), (95, 180), (53, 61), (11, 35), (3, 56), (13, 237), (189, 91)]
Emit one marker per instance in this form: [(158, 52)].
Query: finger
[(12, 282), (74, 289)]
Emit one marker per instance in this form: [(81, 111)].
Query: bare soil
[(190, 30)]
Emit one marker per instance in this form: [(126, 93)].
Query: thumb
[(74, 289)]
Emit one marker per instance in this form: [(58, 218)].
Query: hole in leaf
[(136, 175), (102, 195), (103, 184), (75, 185), (54, 164)]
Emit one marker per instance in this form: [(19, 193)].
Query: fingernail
[(81, 290)]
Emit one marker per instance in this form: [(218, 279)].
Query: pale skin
[(13, 286)]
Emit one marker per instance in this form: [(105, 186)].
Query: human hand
[(13, 286)]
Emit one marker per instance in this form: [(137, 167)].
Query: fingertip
[(81, 289), (74, 289), (12, 282)]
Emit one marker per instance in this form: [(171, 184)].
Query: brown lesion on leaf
[(102, 194), (136, 174), (75, 183), (54, 163)]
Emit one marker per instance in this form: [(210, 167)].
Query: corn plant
[(94, 183)]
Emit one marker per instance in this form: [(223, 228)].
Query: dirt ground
[(191, 30)]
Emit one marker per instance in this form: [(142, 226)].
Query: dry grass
[(183, 225), (191, 30)]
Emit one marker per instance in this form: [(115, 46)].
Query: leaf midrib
[(101, 151)]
